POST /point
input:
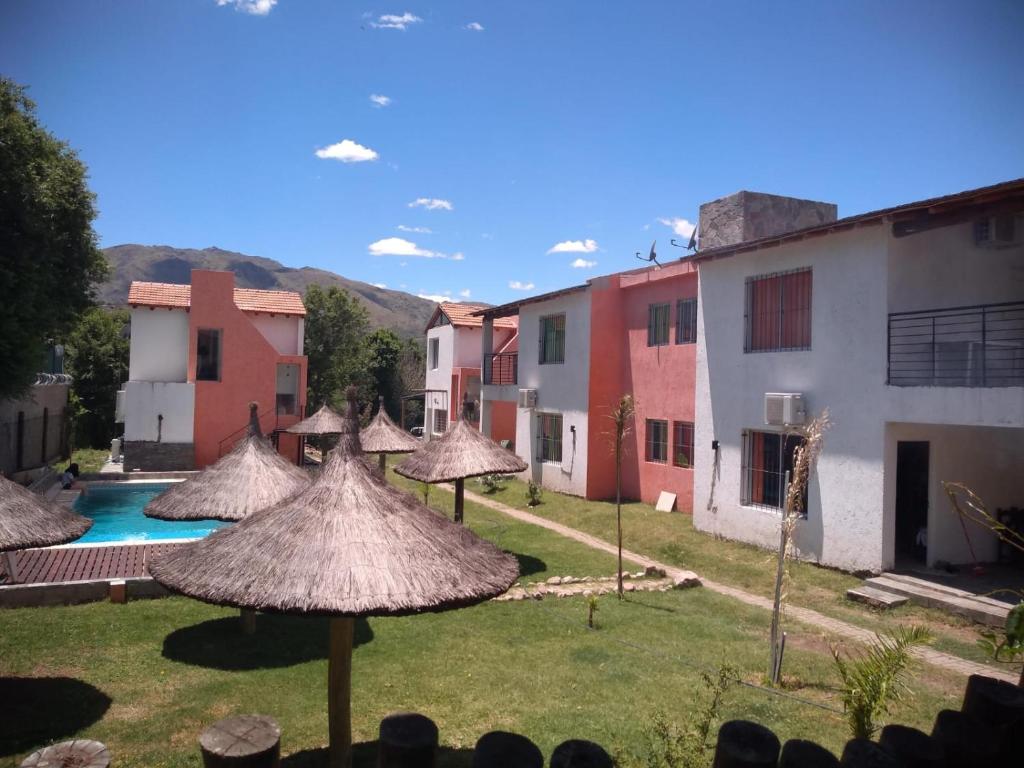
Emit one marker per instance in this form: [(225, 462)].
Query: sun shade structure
[(463, 451), (27, 520), (383, 436), (349, 545), (252, 476), (326, 421)]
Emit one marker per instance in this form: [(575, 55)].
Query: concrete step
[(876, 598), (915, 581), (942, 598)]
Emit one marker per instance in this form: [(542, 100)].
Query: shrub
[(533, 494), (493, 483)]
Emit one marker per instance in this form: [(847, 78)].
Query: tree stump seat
[(243, 741), (407, 740), (501, 749), (577, 753), (744, 744), (78, 753)]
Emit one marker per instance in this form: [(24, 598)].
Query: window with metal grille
[(767, 459), (777, 315), (657, 324), (657, 440), (440, 421), (686, 321), (549, 437), (682, 444), (208, 355), (552, 339)]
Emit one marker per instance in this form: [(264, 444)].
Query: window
[(433, 353), (208, 355), (682, 444), (657, 325), (552, 339), (778, 312), (440, 421), (657, 440), (686, 321), (549, 437), (767, 457), (287, 389)]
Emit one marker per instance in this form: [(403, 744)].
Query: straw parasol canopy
[(463, 451), (27, 520), (383, 436), (349, 545), (252, 476), (326, 421)]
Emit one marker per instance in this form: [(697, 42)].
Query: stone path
[(806, 615)]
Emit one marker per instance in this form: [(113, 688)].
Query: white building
[(908, 325)]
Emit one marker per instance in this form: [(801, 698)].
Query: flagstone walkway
[(807, 616)]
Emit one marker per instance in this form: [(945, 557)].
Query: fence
[(30, 442), (501, 368)]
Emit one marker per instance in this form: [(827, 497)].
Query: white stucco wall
[(144, 401), (159, 345), (284, 333), (561, 388), (439, 378)]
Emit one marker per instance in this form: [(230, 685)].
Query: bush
[(493, 483), (533, 494)]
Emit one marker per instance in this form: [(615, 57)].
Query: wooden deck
[(119, 561)]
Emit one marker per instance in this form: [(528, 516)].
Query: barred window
[(440, 421), (767, 458), (549, 437), (686, 321), (778, 312), (657, 324), (552, 339), (682, 444), (657, 440)]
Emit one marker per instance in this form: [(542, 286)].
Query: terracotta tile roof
[(461, 315), (142, 294)]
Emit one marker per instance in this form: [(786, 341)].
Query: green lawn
[(89, 460)]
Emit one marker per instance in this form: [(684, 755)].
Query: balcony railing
[(501, 369), (979, 346)]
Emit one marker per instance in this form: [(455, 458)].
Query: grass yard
[(89, 460)]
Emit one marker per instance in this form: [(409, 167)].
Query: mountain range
[(404, 313)]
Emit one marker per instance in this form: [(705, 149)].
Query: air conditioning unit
[(527, 398), (997, 232), (784, 409)]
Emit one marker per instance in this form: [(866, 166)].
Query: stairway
[(892, 589)]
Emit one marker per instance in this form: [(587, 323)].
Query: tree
[(50, 261), (383, 356), (622, 417), (412, 377), (336, 329), (97, 356)]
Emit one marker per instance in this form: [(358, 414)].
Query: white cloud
[(475, 26), (431, 204), (380, 285), (253, 7), (398, 246), (574, 246), (380, 100), (465, 293), (436, 297), (583, 264), (347, 151), (681, 227), (458, 256), (516, 285), (393, 21), (416, 230)]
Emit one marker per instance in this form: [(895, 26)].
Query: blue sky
[(251, 125)]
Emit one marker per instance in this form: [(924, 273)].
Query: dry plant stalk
[(977, 513), (805, 457), (622, 417)]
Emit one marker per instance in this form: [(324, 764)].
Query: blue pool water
[(116, 511)]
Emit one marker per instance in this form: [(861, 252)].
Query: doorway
[(912, 501)]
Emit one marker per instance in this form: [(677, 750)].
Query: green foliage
[(873, 680), (97, 359), (534, 494), (1008, 645), (592, 608), (49, 262), (337, 326), (493, 483), (383, 355)]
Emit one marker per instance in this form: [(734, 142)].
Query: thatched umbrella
[(27, 520), (324, 422), (383, 436), (252, 476), (461, 452), (350, 545)]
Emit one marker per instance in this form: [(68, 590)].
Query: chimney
[(752, 215)]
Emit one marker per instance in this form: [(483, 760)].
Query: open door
[(912, 501)]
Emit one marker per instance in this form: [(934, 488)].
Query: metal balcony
[(501, 368)]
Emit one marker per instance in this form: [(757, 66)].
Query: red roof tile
[(461, 315), (142, 294)]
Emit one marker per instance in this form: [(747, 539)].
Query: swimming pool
[(116, 511)]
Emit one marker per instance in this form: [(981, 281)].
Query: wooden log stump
[(500, 749), (743, 744), (968, 743), (996, 703), (915, 748), (78, 753), (577, 753), (243, 741), (407, 740), (861, 753), (797, 753)]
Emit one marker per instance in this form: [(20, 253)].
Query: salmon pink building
[(200, 354), (581, 349)]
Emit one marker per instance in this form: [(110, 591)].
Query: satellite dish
[(652, 257), (693, 240)]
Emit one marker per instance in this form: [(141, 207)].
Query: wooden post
[(248, 616), (339, 693), (243, 741), (460, 498), (383, 464), (11, 566)]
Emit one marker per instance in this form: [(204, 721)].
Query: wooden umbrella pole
[(460, 498), (339, 693), (383, 461), (248, 616), (11, 565)]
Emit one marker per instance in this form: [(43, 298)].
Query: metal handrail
[(237, 434), (501, 368)]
